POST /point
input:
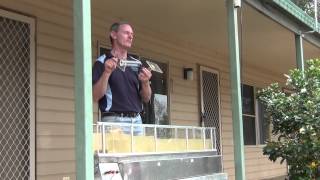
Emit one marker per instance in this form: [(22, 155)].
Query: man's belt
[(120, 114)]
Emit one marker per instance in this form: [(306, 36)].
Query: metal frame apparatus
[(196, 154), (158, 132)]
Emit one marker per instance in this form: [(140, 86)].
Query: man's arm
[(145, 91), (100, 87)]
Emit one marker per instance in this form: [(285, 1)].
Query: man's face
[(124, 36)]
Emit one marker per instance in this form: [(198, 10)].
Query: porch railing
[(127, 138), (299, 12)]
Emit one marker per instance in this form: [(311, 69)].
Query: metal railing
[(115, 138), (306, 12)]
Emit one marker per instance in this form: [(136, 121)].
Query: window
[(264, 126), (156, 111), (255, 123)]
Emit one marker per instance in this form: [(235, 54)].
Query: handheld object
[(135, 63)]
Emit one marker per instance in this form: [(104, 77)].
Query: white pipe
[(316, 13)]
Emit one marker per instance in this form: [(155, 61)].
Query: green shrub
[(295, 119)]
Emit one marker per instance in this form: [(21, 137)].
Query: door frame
[(215, 71), (31, 21)]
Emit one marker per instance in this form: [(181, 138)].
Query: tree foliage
[(295, 119)]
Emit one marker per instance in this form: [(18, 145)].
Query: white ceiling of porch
[(204, 22)]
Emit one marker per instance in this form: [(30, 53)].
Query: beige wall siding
[(55, 94), (54, 86)]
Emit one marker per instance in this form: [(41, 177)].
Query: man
[(120, 93)]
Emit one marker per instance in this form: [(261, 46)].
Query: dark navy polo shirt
[(123, 93)]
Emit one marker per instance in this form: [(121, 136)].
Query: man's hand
[(144, 75), (110, 65)]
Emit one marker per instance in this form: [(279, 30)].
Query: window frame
[(256, 116)]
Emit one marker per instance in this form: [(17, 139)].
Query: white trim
[(31, 22), (256, 114), (17, 17), (201, 93), (249, 115), (258, 120)]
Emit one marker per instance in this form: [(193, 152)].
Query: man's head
[(121, 34)]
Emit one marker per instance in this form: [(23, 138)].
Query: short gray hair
[(115, 27)]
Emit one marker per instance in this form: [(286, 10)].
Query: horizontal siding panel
[(263, 173), (227, 142), (66, 4), (184, 122), (55, 104), (227, 134), (54, 18), (227, 127), (55, 79), (55, 142), (259, 161), (59, 176), (55, 155), (55, 67), (45, 27), (251, 149), (54, 54), (54, 129), (55, 92), (228, 164), (51, 116), (225, 97), (54, 42), (184, 83), (228, 158), (40, 12), (228, 149), (54, 168), (181, 98), (183, 116), (184, 91), (51, 7), (187, 56), (192, 108), (226, 115)]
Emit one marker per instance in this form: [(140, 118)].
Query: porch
[(181, 35)]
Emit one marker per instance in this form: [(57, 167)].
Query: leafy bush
[(295, 119)]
